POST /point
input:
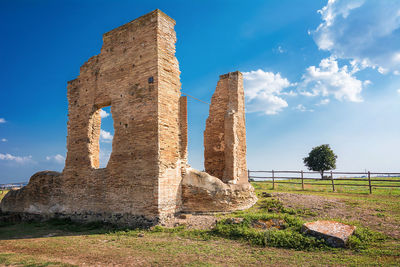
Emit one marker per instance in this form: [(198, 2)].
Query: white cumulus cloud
[(264, 91), (330, 80), (17, 159), (104, 114), (57, 158), (4, 140), (2, 120), (105, 136), (364, 31)]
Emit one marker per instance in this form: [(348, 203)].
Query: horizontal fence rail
[(303, 178)]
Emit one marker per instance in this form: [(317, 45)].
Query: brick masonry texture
[(137, 74), (225, 134)]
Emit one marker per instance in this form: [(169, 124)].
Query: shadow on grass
[(53, 227)]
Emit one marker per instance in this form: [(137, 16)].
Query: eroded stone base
[(202, 192), (42, 200), (45, 198), (39, 195)]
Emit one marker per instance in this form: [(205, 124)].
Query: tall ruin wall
[(136, 74)]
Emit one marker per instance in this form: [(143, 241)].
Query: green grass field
[(2, 194), (341, 187), (377, 241)]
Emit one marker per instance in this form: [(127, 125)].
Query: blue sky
[(315, 72)]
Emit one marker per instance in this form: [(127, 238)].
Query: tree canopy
[(320, 159)]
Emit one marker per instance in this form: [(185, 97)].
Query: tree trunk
[(322, 175)]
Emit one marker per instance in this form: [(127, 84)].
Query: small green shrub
[(274, 205), (291, 237), (363, 238), (158, 229)]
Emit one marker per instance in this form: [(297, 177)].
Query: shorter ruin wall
[(224, 154), (225, 134), (147, 179)]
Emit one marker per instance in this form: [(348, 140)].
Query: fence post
[(273, 179), (333, 184), (369, 182), (302, 180)]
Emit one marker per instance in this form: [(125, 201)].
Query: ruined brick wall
[(147, 178), (136, 74), (225, 134)]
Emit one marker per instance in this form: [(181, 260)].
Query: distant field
[(340, 186), (377, 217)]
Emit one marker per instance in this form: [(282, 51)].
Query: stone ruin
[(147, 180)]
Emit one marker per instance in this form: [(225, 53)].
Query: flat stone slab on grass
[(335, 234)]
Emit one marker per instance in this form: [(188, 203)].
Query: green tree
[(320, 159)]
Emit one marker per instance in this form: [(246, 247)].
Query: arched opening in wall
[(106, 136)]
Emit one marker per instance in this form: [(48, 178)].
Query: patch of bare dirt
[(193, 221), (332, 208)]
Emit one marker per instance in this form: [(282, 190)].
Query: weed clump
[(363, 238), (276, 206), (290, 237)]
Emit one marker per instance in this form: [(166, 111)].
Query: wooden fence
[(279, 177)]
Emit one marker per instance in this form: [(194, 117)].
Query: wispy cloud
[(104, 114), (104, 156), (302, 108), (57, 158), (4, 140), (366, 32), (105, 136), (279, 50), (2, 120), (264, 91), (17, 159), (323, 102), (290, 93)]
